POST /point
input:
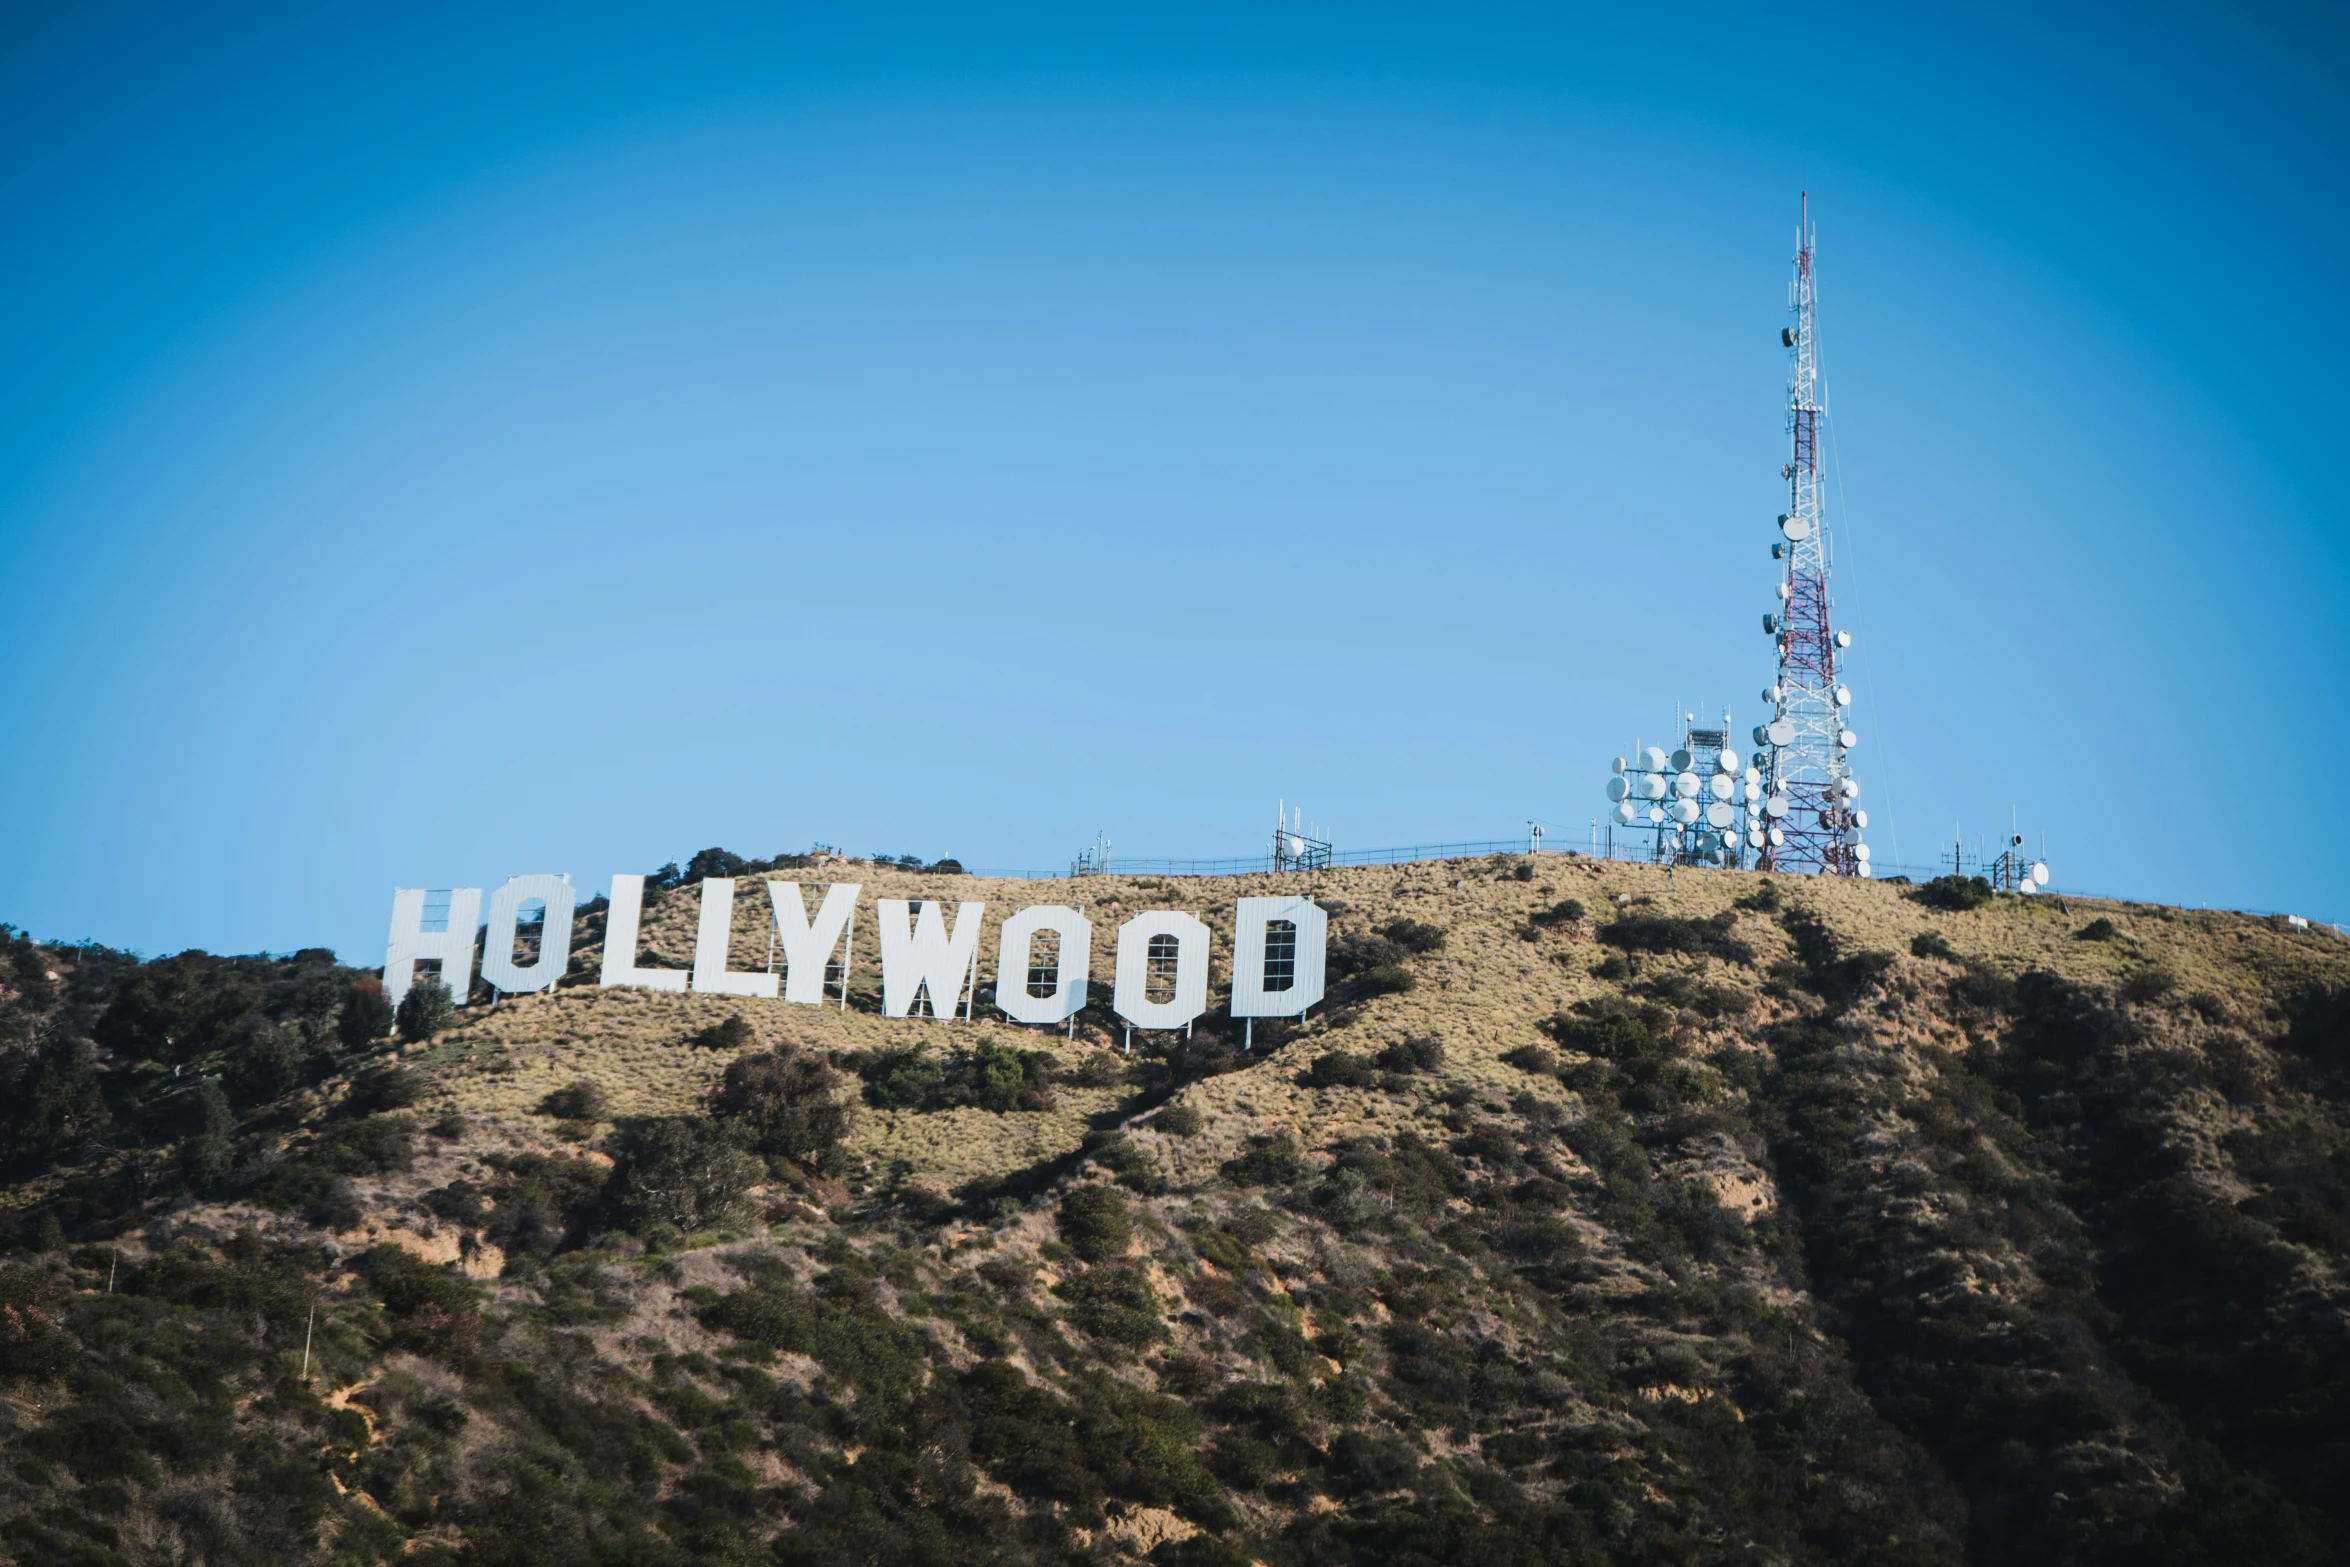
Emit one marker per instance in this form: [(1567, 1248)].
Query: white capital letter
[(808, 947), (628, 899), (1190, 940), (710, 943), (1012, 994), (497, 949), (918, 951), (1266, 981), (452, 946)]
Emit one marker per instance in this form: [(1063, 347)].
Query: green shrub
[(787, 1103), (1932, 944), (1419, 1053), (384, 1088), (682, 1170), (1179, 1121), (1095, 1222), (1337, 1069), (734, 1033), (1416, 936), (425, 1010), (1716, 937), (1954, 893), (1541, 1060), (901, 1078), (580, 1100), (2098, 929), (1273, 1160), (1116, 1305), (208, 1153)]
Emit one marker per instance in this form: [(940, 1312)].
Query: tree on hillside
[(681, 1170), (788, 1103), (207, 1153), (366, 1015)]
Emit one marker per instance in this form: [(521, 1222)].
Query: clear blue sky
[(436, 447)]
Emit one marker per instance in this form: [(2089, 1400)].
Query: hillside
[(1600, 1217)]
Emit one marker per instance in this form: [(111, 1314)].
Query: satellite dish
[(2017, 840), (1656, 813), (1625, 813), (1652, 760), (1860, 852), (1844, 639), (2040, 873), (1781, 733), (2027, 885), (1684, 811), (1728, 761), (1762, 736), (1775, 807), (1844, 696), (1297, 845), (1617, 788), (1795, 528), (1618, 765), (1853, 838), (1848, 739), (1770, 625), (1851, 788), (1752, 791), (1685, 786), (1719, 815), (1785, 592), (1861, 818), (1651, 786), (1778, 838), (1754, 775), (1754, 838), (1864, 869), (1683, 760), (1721, 786)]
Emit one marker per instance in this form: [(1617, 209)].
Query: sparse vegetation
[(1751, 1241)]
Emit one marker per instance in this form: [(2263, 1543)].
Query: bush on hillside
[(1715, 938), (208, 1152), (680, 1170), (735, 1033), (425, 1010), (365, 1016), (383, 1088), (1414, 936), (1932, 944), (1179, 1121), (1095, 1223), (1954, 893), (787, 1104), (579, 1100)]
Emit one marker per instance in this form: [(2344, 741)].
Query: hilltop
[(1601, 1216)]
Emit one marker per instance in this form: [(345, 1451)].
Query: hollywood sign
[(1278, 950)]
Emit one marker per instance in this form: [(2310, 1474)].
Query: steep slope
[(1601, 1217)]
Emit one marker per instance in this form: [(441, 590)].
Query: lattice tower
[(1804, 748)]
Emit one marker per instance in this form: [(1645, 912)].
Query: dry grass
[(1482, 994)]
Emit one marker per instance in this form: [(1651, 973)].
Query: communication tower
[(1811, 817), (1701, 802), (1293, 848)]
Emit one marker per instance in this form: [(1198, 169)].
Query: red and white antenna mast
[(1811, 813)]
